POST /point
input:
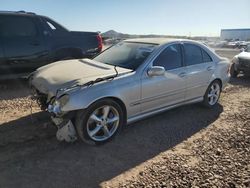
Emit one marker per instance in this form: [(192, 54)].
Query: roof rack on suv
[(24, 12), (21, 11)]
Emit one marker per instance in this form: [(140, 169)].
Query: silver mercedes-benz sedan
[(134, 79)]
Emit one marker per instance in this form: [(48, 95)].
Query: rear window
[(126, 54), (206, 57), (54, 27), (193, 55), (51, 25)]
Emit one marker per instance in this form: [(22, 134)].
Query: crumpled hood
[(62, 74), (244, 55)]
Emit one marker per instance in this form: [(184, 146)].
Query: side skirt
[(151, 113)]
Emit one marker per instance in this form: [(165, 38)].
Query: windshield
[(126, 54)]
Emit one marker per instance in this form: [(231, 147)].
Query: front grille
[(244, 62)]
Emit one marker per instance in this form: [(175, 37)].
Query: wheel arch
[(219, 80), (117, 100)]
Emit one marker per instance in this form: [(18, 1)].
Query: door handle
[(182, 74), (210, 68)]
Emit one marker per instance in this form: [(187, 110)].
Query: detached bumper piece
[(66, 130)]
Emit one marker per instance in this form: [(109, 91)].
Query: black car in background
[(29, 41)]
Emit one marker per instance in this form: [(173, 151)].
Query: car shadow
[(241, 80), (31, 155), (15, 88)]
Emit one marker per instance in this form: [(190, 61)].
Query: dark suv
[(29, 41)]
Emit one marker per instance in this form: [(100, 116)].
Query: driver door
[(166, 90)]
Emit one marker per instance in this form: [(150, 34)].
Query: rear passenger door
[(23, 43), (200, 68)]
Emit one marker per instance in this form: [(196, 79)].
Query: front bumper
[(66, 130), (243, 65), (244, 68)]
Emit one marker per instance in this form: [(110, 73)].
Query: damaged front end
[(54, 84), (54, 104), (63, 120)]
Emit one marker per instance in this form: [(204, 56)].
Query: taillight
[(99, 39)]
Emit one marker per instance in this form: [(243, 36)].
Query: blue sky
[(170, 17)]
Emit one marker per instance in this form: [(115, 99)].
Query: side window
[(54, 27), (17, 26), (51, 25), (170, 58), (193, 55), (206, 57)]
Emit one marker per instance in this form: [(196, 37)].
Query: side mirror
[(156, 71), (242, 49)]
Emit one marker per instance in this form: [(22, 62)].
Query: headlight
[(63, 100), (56, 106)]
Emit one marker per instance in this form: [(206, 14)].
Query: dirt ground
[(184, 147)]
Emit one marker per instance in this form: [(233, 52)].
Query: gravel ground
[(218, 156), (15, 100), (203, 148)]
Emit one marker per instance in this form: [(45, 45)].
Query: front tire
[(212, 94), (100, 122)]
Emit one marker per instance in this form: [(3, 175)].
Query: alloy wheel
[(214, 93), (103, 123)]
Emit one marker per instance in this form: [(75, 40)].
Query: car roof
[(159, 41), (152, 40)]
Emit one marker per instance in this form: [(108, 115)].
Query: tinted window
[(193, 54), (206, 57), (55, 27), (12, 26), (170, 58), (126, 54), (51, 25)]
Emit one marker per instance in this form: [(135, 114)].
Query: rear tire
[(100, 122), (212, 94)]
